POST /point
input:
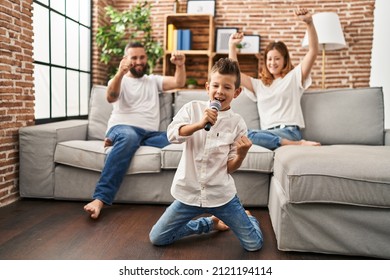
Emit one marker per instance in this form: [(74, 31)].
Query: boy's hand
[(243, 144), (178, 58), (235, 38), (209, 116), (304, 15)]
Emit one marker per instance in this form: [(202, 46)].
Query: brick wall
[(16, 89), (273, 20)]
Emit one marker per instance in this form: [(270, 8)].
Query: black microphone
[(216, 105)]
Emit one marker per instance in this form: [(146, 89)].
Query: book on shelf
[(186, 43), (178, 39), (170, 35)]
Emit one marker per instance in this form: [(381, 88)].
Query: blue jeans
[(176, 223), (125, 140), (271, 139)]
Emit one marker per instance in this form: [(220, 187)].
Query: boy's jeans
[(176, 223), (126, 140)]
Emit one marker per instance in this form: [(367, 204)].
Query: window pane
[(42, 92), (72, 9), (58, 5), (57, 39), (58, 92), (41, 33), (85, 12), (84, 92), (85, 45), (72, 93), (72, 44), (45, 2)]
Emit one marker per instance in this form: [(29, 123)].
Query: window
[(62, 59)]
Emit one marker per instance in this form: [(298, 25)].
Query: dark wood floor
[(61, 230)]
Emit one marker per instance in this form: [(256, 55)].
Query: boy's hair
[(266, 76), (227, 66), (135, 44)]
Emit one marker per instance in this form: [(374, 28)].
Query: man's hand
[(124, 66), (178, 58), (236, 38)]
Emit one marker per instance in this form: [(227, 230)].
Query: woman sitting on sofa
[(279, 90)]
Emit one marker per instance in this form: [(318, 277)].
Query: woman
[(279, 90)]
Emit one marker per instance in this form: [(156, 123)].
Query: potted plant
[(240, 46), (133, 24), (192, 83)]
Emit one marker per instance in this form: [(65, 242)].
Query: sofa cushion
[(344, 116), (343, 174), (258, 159), (91, 155), (100, 111), (242, 105)]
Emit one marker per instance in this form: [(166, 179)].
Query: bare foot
[(248, 213), (218, 224), (94, 208), (285, 142), (309, 143)]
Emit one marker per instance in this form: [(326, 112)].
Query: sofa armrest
[(37, 145), (387, 137)]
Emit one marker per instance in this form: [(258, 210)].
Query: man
[(134, 121)]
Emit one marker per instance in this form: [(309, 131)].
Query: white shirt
[(138, 103), (201, 178), (280, 103)]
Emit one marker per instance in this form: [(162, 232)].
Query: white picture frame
[(222, 39), (201, 7), (251, 44)]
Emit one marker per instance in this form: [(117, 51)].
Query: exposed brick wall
[(273, 20), (99, 70), (16, 89)]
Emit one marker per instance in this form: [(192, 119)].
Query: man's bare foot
[(218, 224), (94, 208), (248, 213), (309, 143)]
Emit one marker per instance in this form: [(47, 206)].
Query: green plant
[(133, 24), (192, 82), (240, 45)]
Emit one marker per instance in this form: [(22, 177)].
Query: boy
[(202, 183)]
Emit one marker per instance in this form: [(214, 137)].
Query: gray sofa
[(330, 199)]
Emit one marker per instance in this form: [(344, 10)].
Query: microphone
[(216, 105)]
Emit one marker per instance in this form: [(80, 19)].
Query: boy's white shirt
[(138, 103), (201, 178), (280, 103)]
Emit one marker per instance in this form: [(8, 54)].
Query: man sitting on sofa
[(134, 121)]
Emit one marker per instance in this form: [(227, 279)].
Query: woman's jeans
[(271, 139), (126, 140), (176, 223)]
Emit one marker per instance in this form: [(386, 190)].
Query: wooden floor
[(32, 229)]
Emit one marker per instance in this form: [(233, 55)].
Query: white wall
[(380, 63)]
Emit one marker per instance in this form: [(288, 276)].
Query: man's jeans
[(271, 139), (176, 223), (126, 140)]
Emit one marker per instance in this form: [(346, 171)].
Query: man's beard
[(139, 74)]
